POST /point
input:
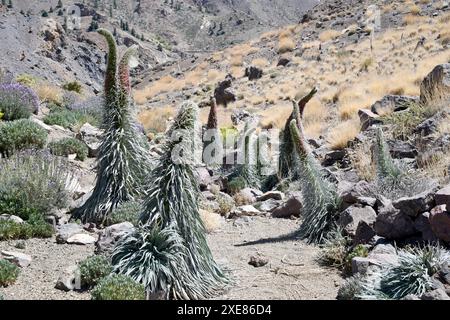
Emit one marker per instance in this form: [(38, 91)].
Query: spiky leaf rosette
[(247, 166), (151, 257), (411, 274), (384, 163), (123, 158), (172, 202), (320, 201)]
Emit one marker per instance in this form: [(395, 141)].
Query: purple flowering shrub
[(17, 101)]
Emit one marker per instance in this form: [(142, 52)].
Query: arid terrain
[(354, 96)]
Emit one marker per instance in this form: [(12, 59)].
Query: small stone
[(12, 218), (275, 195), (258, 260), (19, 259), (81, 239), (368, 118), (292, 207), (268, 205), (360, 265), (65, 231), (69, 279), (109, 236)]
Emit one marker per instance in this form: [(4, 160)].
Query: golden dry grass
[(48, 93), (211, 220), (339, 136), (286, 44), (328, 35), (154, 120), (361, 158), (260, 62)]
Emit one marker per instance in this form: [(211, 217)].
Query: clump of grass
[(8, 273), (72, 119), (34, 227), (74, 86)]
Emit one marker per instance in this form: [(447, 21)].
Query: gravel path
[(291, 273), (37, 281)]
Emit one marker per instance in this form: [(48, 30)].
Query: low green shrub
[(126, 212), (17, 101), (93, 269), (35, 227), (67, 146), (19, 135), (357, 251), (8, 273), (73, 86), (118, 287), (71, 119)]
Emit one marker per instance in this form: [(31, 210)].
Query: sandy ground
[(291, 273)]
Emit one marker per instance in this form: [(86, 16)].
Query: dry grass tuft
[(340, 135), (211, 220), (328, 35)]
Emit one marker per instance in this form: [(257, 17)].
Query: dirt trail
[(291, 272)]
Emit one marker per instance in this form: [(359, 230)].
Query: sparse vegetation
[(118, 287), (8, 273), (17, 102)]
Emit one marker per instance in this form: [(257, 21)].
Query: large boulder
[(422, 225), (223, 92), (111, 235), (292, 207), (354, 217), (414, 205), (402, 149), (66, 231), (440, 222), (391, 223), (69, 279), (443, 196), (203, 177), (253, 73), (92, 137), (392, 103), (368, 118), (436, 84), (21, 260)]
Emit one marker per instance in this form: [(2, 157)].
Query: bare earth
[(291, 272)]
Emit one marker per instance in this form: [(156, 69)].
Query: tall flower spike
[(111, 68), (123, 159), (124, 69), (212, 118)]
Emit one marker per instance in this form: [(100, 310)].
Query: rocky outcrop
[(436, 84), (392, 103)]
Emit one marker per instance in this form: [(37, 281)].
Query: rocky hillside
[(350, 198)]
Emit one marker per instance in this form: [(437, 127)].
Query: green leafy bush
[(73, 86), (8, 273), (93, 269), (118, 287), (35, 227), (19, 135), (67, 146), (33, 182), (126, 212), (70, 119), (236, 185)]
